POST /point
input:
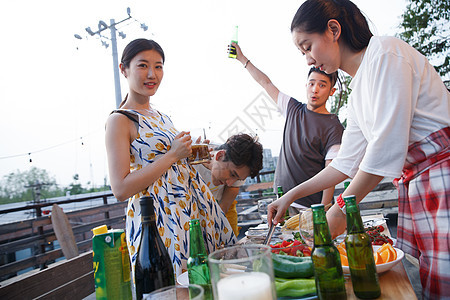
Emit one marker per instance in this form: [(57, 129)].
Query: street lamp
[(112, 27)]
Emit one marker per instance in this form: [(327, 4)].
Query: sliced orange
[(384, 255), (387, 253), (393, 252), (383, 247), (378, 258), (344, 260), (387, 256)]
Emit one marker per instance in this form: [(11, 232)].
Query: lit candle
[(245, 286)]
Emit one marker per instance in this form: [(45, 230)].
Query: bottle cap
[(100, 230), (350, 200), (317, 206), (194, 221)]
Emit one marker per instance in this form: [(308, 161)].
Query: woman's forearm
[(139, 180), (327, 178), (360, 186)]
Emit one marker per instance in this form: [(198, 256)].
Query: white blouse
[(397, 99)]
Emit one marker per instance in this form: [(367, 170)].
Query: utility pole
[(112, 27), (38, 213), (37, 196)]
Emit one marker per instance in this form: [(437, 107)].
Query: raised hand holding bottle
[(231, 49)]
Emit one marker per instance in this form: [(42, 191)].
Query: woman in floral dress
[(147, 156)]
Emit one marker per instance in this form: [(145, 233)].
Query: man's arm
[(228, 197), (257, 74)]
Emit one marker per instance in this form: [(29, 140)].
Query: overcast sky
[(56, 91)]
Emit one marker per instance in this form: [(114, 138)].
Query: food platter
[(259, 233)]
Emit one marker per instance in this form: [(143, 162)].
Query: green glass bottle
[(330, 282), (346, 184), (360, 254), (232, 52), (279, 195), (197, 264)]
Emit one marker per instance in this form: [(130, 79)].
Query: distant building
[(269, 164)]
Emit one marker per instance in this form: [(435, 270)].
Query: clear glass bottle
[(360, 254), (232, 52), (153, 269), (330, 282), (197, 264)]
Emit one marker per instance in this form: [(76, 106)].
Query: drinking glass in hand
[(200, 154), (200, 150)]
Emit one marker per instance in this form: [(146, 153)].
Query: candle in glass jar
[(245, 286)]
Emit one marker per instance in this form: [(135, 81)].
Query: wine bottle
[(330, 282), (197, 264), (232, 52), (360, 254), (153, 268)]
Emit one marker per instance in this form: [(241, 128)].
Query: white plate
[(382, 267), (183, 279)]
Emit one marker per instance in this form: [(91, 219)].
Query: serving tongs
[(269, 234)]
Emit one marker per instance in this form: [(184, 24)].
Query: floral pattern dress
[(180, 195)]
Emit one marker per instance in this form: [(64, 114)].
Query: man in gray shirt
[(312, 135)]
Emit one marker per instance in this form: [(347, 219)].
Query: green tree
[(340, 98), (75, 188), (426, 27), (15, 187), (18, 186)]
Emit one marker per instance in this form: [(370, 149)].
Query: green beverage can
[(112, 274)]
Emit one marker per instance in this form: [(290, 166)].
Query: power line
[(47, 148)]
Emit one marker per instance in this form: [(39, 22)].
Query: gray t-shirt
[(307, 138)]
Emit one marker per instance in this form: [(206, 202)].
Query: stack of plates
[(259, 233)]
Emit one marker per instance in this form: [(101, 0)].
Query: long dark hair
[(313, 17), (135, 47)]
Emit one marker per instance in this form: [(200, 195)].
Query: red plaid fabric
[(424, 211)]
